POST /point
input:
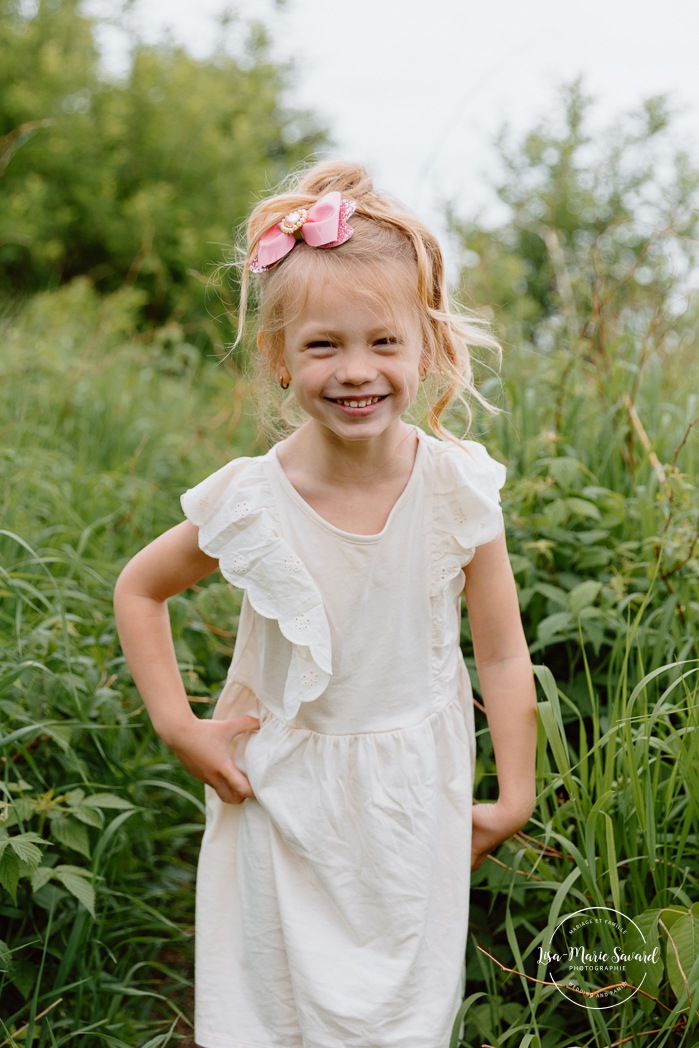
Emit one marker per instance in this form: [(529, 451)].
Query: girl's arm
[(167, 566), (507, 682)]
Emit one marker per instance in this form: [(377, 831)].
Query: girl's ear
[(277, 368)]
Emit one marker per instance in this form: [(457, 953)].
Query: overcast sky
[(417, 90)]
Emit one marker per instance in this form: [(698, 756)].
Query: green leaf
[(24, 845), (561, 622), (548, 684), (556, 740), (582, 595), (612, 504), (552, 593), (91, 816), (75, 880), (556, 514), (9, 873), (71, 833), (107, 800), (593, 560), (41, 877), (582, 508), (645, 939), (565, 471), (24, 979), (23, 809), (62, 734), (682, 953), (592, 537)]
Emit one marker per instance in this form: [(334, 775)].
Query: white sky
[(417, 89)]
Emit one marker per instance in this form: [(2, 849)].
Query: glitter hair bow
[(322, 225)]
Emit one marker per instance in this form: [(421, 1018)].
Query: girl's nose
[(356, 368)]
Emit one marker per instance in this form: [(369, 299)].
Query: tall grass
[(99, 827), (603, 519), (616, 827)]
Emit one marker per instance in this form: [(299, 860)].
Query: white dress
[(332, 910)]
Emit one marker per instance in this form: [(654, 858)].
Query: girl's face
[(354, 370)]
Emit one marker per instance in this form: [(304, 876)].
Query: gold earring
[(284, 383)]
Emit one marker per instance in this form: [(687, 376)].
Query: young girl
[(332, 893)]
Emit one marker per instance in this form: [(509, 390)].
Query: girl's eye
[(320, 347), (387, 341)]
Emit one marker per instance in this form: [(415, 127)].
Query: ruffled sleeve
[(467, 512), (235, 513)]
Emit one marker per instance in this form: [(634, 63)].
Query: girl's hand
[(204, 747), (492, 824)]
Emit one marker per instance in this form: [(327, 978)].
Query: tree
[(141, 180), (601, 233)]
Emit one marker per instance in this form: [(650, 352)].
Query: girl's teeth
[(359, 403)]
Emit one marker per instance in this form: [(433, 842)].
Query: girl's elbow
[(130, 584), (123, 591)]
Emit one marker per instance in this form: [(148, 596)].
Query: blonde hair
[(389, 249)]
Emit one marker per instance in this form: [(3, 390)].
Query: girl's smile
[(357, 407)]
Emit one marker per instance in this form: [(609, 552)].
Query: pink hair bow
[(322, 225)]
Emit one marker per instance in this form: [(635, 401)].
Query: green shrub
[(597, 309), (99, 826), (140, 178)]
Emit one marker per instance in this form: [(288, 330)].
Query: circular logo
[(588, 954)]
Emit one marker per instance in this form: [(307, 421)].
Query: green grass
[(99, 826), (603, 523), (616, 826)]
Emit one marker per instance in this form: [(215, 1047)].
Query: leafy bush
[(99, 826), (592, 269), (141, 178)]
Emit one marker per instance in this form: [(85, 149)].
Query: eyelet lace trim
[(234, 511), (467, 510)]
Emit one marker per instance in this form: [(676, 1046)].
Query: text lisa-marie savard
[(586, 957)]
